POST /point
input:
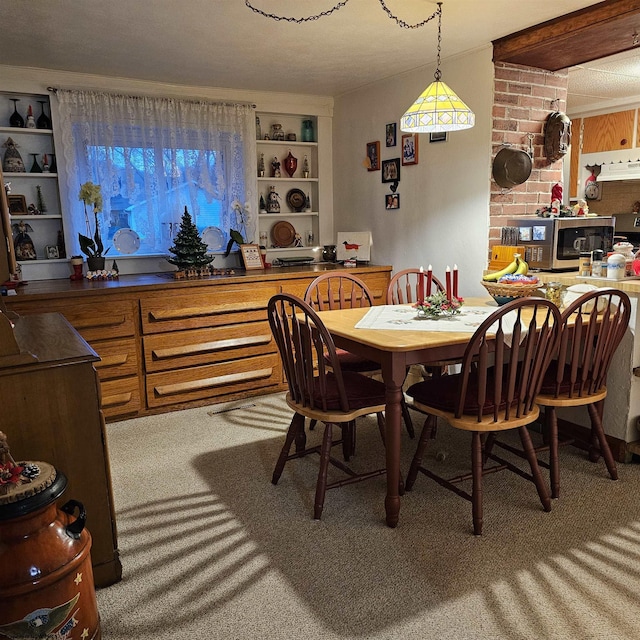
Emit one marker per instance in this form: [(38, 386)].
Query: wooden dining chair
[(592, 328), (347, 291), (324, 393), (502, 372)]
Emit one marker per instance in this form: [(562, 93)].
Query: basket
[(503, 293)]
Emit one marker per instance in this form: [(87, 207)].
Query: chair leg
[(301, 438), (297, 424), (530, 453), (476, 473), (348, 439), (595, 413), (425, 436), (406, 416), (321, 485), (551, 431), (312, 424)]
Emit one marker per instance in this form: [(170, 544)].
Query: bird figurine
[(40, 623)]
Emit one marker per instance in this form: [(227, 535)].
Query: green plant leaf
[(229, 245), (87, 246)]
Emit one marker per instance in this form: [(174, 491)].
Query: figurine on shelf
[(273, 204), (23, 244), (275, 168), (305, 167), (297, 242), (261, 166), (31, 121), (262, 205), (13, 162)]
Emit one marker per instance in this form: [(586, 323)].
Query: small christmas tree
[(189, 250), (42, 207)]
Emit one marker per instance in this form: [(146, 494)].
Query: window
[(154, 156)]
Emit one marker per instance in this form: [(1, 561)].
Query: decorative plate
[(126, 241), (296, 199), (213, 237), (283, 234)]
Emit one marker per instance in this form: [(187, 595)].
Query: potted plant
[(92, 247)]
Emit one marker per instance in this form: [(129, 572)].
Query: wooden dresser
[(168, 344), (50, 400)]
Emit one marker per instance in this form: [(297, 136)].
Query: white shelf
[(297, 214), (294, 179), (294, 249), (30, 216), (287, 143), (43, 261), (27, 174), (25, 130)]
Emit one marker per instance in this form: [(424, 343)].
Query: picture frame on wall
[(392, 201), (17, 205), (251, 256), (410, 148), (390, 134), (439, 136), (391, 170), (373, 156)]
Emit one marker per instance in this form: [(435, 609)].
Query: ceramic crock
[(46, 582)]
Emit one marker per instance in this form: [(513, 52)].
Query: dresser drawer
[(119, 358), (230, 305), (180, 349), (212, 381), (120, 397)]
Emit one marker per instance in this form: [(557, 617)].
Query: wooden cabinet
[(51, 412), (175, 344), (608, 132)]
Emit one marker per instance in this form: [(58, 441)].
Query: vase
[(307, 131), (35, 167), (290, 164), (16, 120), (95, 263), (43, 122)]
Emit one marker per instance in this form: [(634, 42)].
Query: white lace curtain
[(159, 155)]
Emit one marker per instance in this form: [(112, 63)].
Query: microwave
[(555, 244)]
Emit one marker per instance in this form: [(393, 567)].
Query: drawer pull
[(90, 323), (217, 381), (194, 312), (204, 347), (117, 399), (112, 361)]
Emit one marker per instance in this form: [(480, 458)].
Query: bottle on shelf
[(16, 120), (307, 131)]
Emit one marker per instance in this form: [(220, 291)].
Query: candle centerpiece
[(438, 305)]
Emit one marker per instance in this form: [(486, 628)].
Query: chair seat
[(361, 391), (352, 362), (443, 393), (550, 380)]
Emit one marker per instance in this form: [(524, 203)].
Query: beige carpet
[(212, 550)]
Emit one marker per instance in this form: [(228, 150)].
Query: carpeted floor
[(212, 550)]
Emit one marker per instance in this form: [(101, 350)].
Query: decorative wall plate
[(213, 237), (126, 241), (283, 234), (296, 199)]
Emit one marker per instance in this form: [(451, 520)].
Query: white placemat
[(404, 318)]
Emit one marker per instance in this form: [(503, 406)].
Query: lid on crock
[(26, 486)]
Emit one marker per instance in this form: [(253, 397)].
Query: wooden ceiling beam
[(601, 30)]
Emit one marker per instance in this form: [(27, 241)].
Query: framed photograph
[(440, 136), (410, 148), (373, 156), (17, 205), (390, 134), (391, 170), (251, 256), (51, 252), (392, 201)]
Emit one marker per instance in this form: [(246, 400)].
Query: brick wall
[(523, 99)]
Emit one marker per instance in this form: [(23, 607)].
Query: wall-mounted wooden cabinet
[(608, 132)]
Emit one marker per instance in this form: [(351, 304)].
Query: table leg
[(393, 374)]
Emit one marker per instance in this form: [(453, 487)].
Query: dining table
[(393, 336)]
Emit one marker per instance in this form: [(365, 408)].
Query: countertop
[(628, 285)]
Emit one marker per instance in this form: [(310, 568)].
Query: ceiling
[(222, 43)]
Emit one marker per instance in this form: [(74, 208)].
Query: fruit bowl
[(503, 293)]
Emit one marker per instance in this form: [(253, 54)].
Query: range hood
[(619, 171)]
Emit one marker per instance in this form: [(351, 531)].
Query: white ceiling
[(222, 43)]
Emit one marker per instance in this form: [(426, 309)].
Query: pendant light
[(438, 108)]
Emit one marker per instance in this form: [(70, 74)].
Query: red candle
[(448, 283), (421, 286), (429, 280), (455, 280)]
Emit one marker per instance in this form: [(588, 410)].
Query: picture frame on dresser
[(251, 256)]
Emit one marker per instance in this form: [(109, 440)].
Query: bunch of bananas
[(518, 267)]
